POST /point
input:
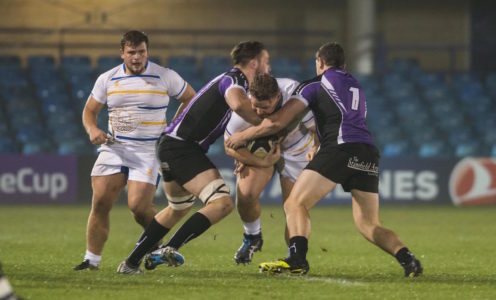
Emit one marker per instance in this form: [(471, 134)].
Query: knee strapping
[(214, 190), (180, 202)]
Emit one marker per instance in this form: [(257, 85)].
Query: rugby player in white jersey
[(298, 144), (137, 95)]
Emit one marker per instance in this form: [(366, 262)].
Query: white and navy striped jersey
[(137, 103), (297, 138)]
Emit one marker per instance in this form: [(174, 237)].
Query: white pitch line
[(331, 280)]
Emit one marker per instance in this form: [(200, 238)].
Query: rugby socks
[(92, 258), (404, 256), (149, 239), (192, 228), (298, 248), (253, 228)]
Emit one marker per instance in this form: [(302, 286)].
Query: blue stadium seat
[(430, 80), (213, 66), (187, 68), (75, 146), (30, 118), (36, 147), (36, 61), (76, 65), (403, 66), (463, 135), (309, 69), (106, 63), (398, 148), (434, 149), (287, 67), (467, 149), (8, 145), (31, 133), (422, 135), (491, 84), (10, 61), (493, 150), (69, 132)]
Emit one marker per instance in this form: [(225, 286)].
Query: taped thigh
[(180, 202), (214, 190)]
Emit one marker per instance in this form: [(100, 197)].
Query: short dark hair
[(332, 54), (134, 38), (243, 52), (264, 87)]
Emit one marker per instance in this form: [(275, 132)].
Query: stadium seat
[(434, 149), (76, 65), (10, 61), (309, 71), (8, 145), (491, 84), (106, 63), (287, 67), (36, 147), (40, 60), (213, 66), (397, 148), (467, 149), (75, 146)]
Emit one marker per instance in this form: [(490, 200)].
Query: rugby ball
[(261, 147)]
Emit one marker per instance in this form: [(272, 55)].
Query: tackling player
[(188, 172), (347, 155)]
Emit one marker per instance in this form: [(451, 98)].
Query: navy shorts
[(353, 165)]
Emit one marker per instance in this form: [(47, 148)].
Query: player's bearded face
[(135, 58)]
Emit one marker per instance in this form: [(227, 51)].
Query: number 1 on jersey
[(356, 98)]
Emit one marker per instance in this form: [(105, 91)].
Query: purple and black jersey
[(338, 104), (206, 116)]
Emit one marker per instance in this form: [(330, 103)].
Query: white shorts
[(143, 167), (291, 166)]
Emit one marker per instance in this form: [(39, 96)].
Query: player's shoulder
[(287, 84), (154, 68), (306, 83), (236, 75)]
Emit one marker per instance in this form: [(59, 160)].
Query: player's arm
[(185, 98), (90, 114), (244, 156), (238, 101), (316, 144), (270, 125)]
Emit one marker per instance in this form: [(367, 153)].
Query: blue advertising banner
[(38, 179)]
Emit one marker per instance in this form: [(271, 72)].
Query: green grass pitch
[(39, 245)]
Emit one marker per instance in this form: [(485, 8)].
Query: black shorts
[(180, 160), (353, 165)]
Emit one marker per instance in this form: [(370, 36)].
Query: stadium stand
[(411, 112)]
